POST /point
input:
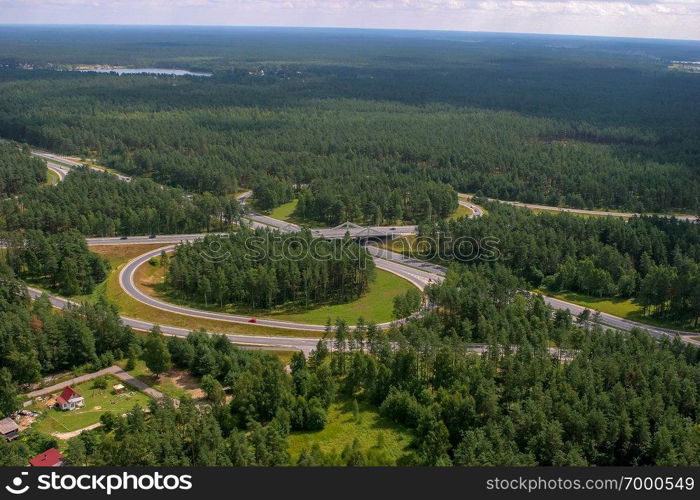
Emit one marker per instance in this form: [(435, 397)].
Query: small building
[(118, 389), (69, 399), (9, 429), (50, 458)]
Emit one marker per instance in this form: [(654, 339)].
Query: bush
[(315, 415), (401, 407), (109, 421), (100, 383)]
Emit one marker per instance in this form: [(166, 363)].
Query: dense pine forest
[(262, 269), (98, 204), (59, 261), (405, 201), (401, 110), (606, 398), (375, 127), (19, 171), (652, 259), (37, 340)]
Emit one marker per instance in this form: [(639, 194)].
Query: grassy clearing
[(376, 305), (285, 357), (559, 212), (118, 255), (284, 212), (57, 378), (468, 198), (52, 177), (97, 402), (343, 428), (624, 308), (404, 244), (175, 383), (461, 211)]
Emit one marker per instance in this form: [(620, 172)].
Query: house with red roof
[(50, 458), (69, 399)]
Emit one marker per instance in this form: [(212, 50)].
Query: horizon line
[(427, 30)]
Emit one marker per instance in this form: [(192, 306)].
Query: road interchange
[(419, 273)]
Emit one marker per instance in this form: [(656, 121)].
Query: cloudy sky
[(639, 18)]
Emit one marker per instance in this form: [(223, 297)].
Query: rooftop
[(7, 425), (49, 458)]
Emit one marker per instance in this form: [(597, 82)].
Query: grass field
[(284, 212), (175, 383), (285, 357), (465, 197), (461, 211), (624, 308), (117, 256), (559, 212), (97, 402), (403, 244), (52, 177), (343, 428), (376, 305)]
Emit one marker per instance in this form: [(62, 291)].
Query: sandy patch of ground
[(183, 380)]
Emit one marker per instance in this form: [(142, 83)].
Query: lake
[(148, 71)]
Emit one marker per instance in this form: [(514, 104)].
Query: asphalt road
[(338, 232), (59, 170), (62, 165), (534, 206), (244, 340), (477, 211), (417, 272), (126, 281), (436, 274)]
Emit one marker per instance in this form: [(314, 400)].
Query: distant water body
[(145, 71)]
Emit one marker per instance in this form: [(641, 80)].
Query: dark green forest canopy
[(99, 204), (19, 170), (262, 269), (60, 261), (584, 122), (36, 339), (613, 398), (652, 259)]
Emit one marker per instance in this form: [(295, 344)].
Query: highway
[(58, 169), (126, 281), (353, 230), (534, 206), (436, 273), (477, 211), (418, 272), (62, 165), (243, 340)]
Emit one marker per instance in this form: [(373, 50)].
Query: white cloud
[(658, 18)]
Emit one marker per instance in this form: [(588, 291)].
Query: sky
[(630, 18)]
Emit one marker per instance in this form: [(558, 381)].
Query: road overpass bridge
[(364, 233)]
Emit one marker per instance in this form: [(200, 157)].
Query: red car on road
[(252, 320)]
